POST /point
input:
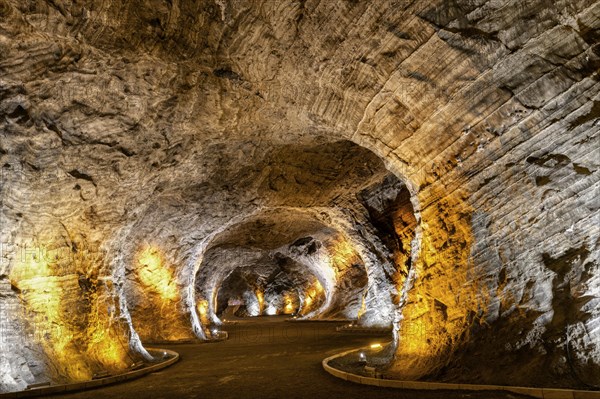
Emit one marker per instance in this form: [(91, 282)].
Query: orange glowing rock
[(261, 301), (155, 275)]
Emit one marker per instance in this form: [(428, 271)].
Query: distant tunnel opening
[(334, 242)]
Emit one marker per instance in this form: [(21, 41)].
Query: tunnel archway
[(361, 213), (380, 206), (135, 134), (307, 246), (281, 286)]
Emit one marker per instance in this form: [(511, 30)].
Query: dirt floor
[(264, 357)]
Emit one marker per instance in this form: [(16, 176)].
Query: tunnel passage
[(331, 211), (358, 259), (324, 263), (270, 288), (135, 135)]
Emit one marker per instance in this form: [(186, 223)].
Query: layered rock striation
[(432, 164)]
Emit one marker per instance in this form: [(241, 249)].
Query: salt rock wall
[(510, 220), (127, 125)]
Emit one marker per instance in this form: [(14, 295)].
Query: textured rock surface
[(143, 141)]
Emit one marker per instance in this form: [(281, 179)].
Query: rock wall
[(168, 125)]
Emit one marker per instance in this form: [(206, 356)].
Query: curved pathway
[(264, 358)]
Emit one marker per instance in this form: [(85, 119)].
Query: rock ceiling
[(429, 164)]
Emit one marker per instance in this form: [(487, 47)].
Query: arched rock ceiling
[(260, 201), (126, 123), (313, 250)]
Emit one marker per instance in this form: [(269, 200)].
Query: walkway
[(264, 358)]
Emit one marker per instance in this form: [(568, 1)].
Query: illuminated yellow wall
[(313, 298), (156, 304), (69, 310), (155, 275), (443, 301), (202, 307), (288, 305), (343, 258), (260, 297)]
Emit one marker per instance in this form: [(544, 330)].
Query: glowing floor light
[(362, 358)]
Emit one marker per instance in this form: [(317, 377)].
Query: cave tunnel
[(298, 198)]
